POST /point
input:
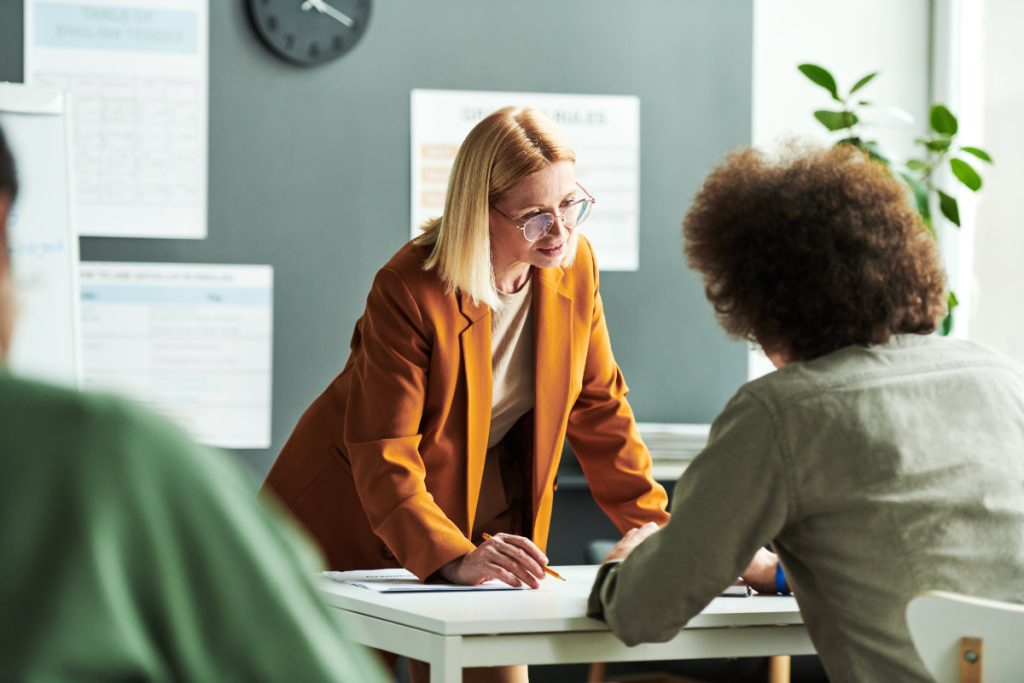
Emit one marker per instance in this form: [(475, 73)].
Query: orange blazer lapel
[(475, 341)]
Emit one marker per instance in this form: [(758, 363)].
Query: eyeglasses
[(572, 213)]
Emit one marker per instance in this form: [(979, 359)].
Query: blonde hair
[(501, 150)]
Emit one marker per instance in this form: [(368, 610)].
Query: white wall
[(850, 40), (996, 313)]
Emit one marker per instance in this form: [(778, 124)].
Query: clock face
[(309, 32)]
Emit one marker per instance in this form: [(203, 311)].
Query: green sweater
[(877, 472), (129, 553)]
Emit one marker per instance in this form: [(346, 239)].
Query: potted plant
[(938, 148)]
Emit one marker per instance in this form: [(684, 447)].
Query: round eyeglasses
[(572, 212)]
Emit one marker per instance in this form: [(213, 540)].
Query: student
[(879, 460), (132, 554)]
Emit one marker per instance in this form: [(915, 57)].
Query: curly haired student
[(879, 460)]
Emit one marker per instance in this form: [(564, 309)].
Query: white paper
[(604, 130), (138, 71), (41, 236), (192, 341), (404, 581)]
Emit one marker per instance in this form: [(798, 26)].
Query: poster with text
[(137, 73), (191, 341), (604, 131)]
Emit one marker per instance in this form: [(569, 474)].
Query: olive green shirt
[(876, 473), (130, 554)]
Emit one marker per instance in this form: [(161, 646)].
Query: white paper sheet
[(138, 73), (404, 581), (604, 130), (192, 341)]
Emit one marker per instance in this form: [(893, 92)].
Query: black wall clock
[(309, 32)]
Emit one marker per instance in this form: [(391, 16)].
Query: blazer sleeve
[(382, 431), (603, 432)]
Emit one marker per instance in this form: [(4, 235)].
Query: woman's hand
[(760, 574), (512, 559), (631, 540)]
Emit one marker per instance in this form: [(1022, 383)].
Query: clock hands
[(323, 8)]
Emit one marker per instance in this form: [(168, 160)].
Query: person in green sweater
[(130, 553)]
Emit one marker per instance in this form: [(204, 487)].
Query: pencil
[(547, 570)]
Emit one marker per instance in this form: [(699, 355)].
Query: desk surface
[(556, 607)]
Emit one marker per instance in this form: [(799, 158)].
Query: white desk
[(549, 626)]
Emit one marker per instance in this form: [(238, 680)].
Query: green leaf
[(821, 77), (978, 152), (921, 202), (936, 145), (947, 325), (836, 120), (917, 165), (950, 209), (942, 120), (862, 82), (966, 174)]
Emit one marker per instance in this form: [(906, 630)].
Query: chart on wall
[(192, 341), (41, 236), (604, 131), (137, 72)]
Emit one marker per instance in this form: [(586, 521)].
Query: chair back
[(967, 639)]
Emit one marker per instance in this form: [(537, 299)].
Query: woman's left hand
[(631, 540)]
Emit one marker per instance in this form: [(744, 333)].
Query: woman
[(879, 460), (482, 346)]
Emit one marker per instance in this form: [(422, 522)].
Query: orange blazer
[(384, 468)]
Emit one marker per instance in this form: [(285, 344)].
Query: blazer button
[(386, 553)]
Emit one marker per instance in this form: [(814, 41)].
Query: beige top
[(511, 361), (876, 472)]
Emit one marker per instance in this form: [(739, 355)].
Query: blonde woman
[(482, 346)]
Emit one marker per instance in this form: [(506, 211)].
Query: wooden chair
[(961, 638)]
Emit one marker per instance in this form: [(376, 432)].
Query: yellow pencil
[(547, 570)]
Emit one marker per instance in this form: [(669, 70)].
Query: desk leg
[(446, 664), (778, 671)]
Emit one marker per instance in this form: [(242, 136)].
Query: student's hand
[(631, 540), (760, 574), (512, 559)]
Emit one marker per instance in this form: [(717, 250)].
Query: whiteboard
[(42, 241)]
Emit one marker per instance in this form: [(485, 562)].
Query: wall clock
[(309, 32)]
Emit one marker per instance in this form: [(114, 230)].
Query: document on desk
[(737, 591), (403, 581)]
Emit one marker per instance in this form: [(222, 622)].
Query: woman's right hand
[(514, 560)]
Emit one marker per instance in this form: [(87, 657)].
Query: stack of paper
[(673, 446)]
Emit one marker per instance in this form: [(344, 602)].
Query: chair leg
[(597, 673), (778, 669)]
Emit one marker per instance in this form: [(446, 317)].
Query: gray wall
[(309, 169)]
